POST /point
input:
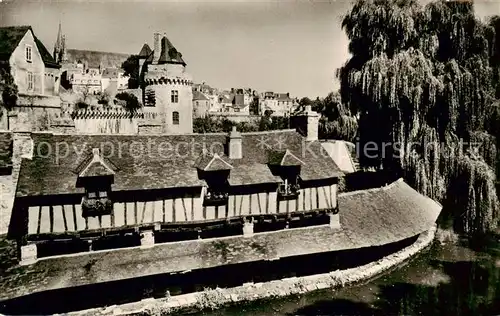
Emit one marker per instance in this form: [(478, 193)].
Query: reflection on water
[(446, 280)]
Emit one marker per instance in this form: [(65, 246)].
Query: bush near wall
[(211, 124)]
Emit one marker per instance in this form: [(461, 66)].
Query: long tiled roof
[(368, 218), (162, 161), (11, 36)]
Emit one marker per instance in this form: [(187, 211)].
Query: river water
[(450, 279)]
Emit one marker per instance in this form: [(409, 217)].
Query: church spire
[(59, 45)]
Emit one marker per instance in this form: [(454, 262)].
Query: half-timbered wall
[(67, 218)]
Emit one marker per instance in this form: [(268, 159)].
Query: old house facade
[(201, 104), (171, 183), (34, 70), (280, 104)]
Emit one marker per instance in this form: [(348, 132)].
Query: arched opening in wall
[(175, 118)]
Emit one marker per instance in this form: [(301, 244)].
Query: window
[(175, 96), (175, 118), (28, 53), (289, 189), (31, 81), (97, 194), (96, 202)]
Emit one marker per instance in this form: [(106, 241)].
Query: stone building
[(211, 94), (208, 179), (201, 104), (280, 104), (89, 71), (34, 70), (176, 203), (167, 86)]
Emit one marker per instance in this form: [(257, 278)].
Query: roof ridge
[(384, 188), (288, 152), (216, 156), (272, 131)]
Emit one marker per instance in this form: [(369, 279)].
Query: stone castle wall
[(162, 82), (22, 147)]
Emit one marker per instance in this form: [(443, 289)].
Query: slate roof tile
[(162, 161)]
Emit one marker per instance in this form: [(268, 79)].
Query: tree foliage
[(131, 102), (131, 69), (210, 124), (422, 81), (336, 121), (8, 88)]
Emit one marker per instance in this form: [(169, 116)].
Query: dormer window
[(287, 166), (96, 175), (215, 169)]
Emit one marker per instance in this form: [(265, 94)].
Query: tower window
[(30, 80), (175, 96), (175, 118), (28, 53)]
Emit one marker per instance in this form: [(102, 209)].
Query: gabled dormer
[(287, 166), (215, 169), (96, 175)]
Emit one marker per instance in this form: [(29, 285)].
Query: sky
[(280, 46)]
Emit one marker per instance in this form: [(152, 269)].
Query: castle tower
[(168, 87)]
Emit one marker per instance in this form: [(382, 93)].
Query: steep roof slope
[(146, 162), (339, 152), (197, 95), (10, 37), (169, 53), (145, 51)]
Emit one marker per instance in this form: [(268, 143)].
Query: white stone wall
[(22, 148), (163, 94), (20, 66), (107, 126)]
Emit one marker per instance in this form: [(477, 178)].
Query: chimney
[(235, 150), (157, 48), (307, 123)]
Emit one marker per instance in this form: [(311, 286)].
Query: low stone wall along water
[(216, 298)]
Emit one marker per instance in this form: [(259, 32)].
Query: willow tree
[(421, 81)]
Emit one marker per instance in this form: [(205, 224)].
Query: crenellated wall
[(113, 121)]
